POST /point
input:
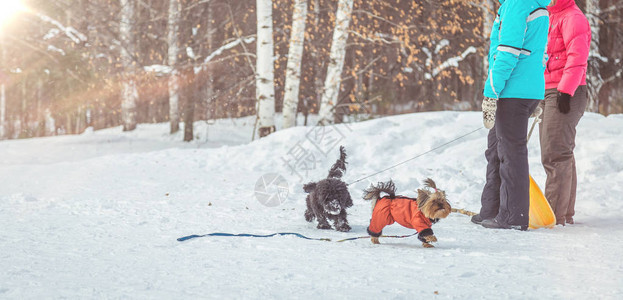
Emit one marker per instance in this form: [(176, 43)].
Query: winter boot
[(477, 219)]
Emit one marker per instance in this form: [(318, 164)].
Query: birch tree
[(264, 77), (336, 62), (173, 21), (129, 93), (293, 69)]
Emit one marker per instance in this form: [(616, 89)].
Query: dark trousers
[(557, 133), (506, 195)]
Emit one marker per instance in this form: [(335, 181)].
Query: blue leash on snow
[(384, 236), (185, 238), (251, 235)]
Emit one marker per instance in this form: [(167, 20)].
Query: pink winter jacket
[(567, 47)]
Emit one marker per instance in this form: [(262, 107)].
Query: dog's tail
[(338, 169), (309, 187), (374, 192)]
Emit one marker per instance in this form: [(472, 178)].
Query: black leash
[(410, 159)]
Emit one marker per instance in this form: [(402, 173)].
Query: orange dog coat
[(399, 209)]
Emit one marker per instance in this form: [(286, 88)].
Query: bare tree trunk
[(336, 61), (318, 65), (94, 40), (50, 123), (488, 16), (173, 52), (264, 79), (68, 129), (595, 81), (209, 84), (79, 126), (39, 114), (129, 91), (295, 54), (191, 79), (191, 95), (24, 113)]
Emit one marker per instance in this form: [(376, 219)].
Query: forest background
[(66, 65)]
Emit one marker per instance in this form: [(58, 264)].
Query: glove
[(564, 102), (489, 106)]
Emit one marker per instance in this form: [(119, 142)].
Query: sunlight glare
[(8, 8)]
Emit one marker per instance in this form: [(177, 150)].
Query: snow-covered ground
[(97, 216)]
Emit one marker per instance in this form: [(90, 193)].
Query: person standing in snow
[(566, 97), (514, 87)]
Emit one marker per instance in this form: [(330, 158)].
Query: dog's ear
[(309, 187), (429, 183), (422, 197)]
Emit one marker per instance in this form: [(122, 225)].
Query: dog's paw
[(343, 228), (323, 226), (375, 239), (430, 238), (427, 245)]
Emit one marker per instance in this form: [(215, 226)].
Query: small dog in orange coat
[(419, 214)]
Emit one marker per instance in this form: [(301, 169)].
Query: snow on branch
[(164, 70), (221, 49), (228, 46), (379, 37), (191, 53), (451, 62), (75, 35), (442, 44), (57, 50), (158, 69)]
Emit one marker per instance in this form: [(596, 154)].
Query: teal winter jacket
[(517, 55)]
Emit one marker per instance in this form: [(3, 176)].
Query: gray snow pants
[(506, 195), (557, 133)]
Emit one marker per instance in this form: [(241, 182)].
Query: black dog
[(329, 198)]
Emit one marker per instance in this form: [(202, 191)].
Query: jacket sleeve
[(576, 34), (512, 34), (420, 222)]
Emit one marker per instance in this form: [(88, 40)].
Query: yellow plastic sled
[(541, 214)]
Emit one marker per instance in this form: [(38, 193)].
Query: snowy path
[(97, 216)]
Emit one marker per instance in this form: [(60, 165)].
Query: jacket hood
[(560, 5)]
